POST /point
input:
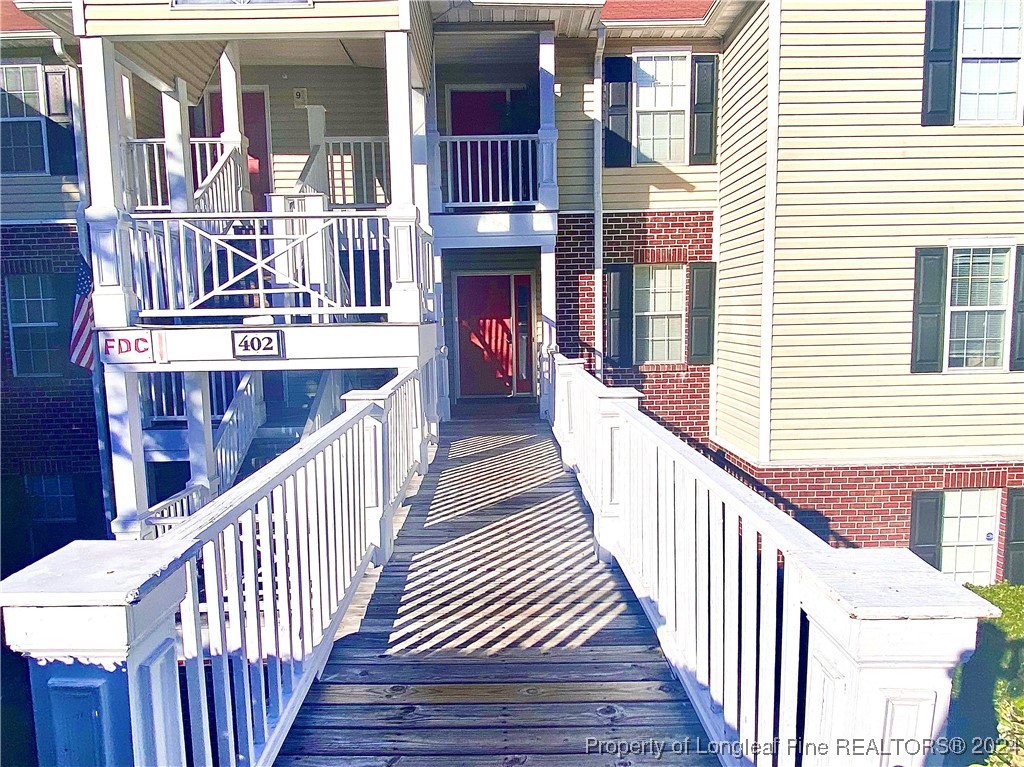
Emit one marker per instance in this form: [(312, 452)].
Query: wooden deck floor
[(493, 636)]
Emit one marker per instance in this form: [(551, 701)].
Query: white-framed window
[(37, 348), (661, 100), (52, 497), (990, 69), (970, 524), (659, 298), (978, 303), (22, 120)]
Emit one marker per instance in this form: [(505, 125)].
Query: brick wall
[(48, 424), (574, 285)]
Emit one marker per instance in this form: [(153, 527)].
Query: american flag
[(81, 319)]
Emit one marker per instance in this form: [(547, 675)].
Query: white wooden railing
[(221, 192), (145, 171), (358, 170), (211, 635), (318, 264), (327, 404), (487, 171), (234, 435), (747, 602), (166, 514), (164, 394)]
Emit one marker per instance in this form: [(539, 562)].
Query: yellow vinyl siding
[(574, 118), (660, 187), (113, 18), (742, 154), (861, 184), (422, 41), (38, 198), (354, 98)]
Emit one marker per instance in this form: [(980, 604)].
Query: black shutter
[(60, 133), (703, 120), (926, 526), (938, 97), (618, 131), (929, 311), (619, 313), (1017, 321), (1013, 570), (700, 314)]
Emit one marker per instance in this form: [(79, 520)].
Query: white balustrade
[(238, 426), (744, 598), (327, 404), (172, 511), (221, 192), (488, 171), (358, 171), (164, 394), (316, 264), (199, 647), (145, 172)]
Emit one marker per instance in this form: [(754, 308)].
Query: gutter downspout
[(599, 204), (98, 389)]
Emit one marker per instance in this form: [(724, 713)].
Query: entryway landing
[(493, 636)]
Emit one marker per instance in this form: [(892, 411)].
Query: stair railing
[(327, 404), (202, 645), (179, 507), (241, 420)]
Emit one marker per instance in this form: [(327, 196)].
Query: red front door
[(254, 115), (485, 334)]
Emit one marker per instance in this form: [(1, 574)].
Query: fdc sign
[(121, 346)]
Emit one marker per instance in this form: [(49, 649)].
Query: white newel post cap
[(359, 397), (93, 601), (886, 632), (624, 395)]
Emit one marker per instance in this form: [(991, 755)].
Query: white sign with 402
[(265, 344)]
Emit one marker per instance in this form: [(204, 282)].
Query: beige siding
[(148, 110), (742, 155), (861, 184), (660, 187), (422, 39), (574, 118), (353, 96), (150, 17), (38, 198)]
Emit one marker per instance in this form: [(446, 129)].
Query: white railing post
[(101, 642), (114, 300), (547, 182), (128, 462), (379, 514), (316, 120), (444, 401), (549, 340), (234, 124), (201, 457), (880, 661), (181, 187), (406, 295), (564, 377), (612, 469)]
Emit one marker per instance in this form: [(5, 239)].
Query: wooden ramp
[(493, 636)]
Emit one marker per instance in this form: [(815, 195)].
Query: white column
[(421, 151), (547, 185), (114, 301), (548, 345), (128, 461), (403, 216), (201, 458), (231, 108), (98, 628), (434, 198), (178, 148)]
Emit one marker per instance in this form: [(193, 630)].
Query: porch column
[(434, 198), (421, 155), (128, 460), (178, 148), (403, 216), (548, 343), (231, 108), (114, 300), (547, 183), (201, 458)]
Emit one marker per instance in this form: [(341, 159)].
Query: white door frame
[(510, 273)]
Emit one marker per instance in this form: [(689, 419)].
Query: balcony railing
[(163, 394), (351, 171), (489, 171), (317, 264)]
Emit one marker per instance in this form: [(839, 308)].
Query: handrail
[(306, 184), (745, 600), (237, 428), (176, 509), (326, 404), (270, 215)]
